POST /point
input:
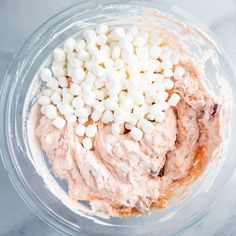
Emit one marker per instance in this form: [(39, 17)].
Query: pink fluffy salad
[(125, 118)]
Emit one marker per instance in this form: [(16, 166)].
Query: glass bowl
[(21, 86)]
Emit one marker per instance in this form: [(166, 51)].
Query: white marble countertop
[(18, 19)]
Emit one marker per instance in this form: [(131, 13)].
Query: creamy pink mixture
[(121, 176)]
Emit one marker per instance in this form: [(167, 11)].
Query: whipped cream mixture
[(121, 168)]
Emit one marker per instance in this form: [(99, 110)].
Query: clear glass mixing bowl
[(21, 86)]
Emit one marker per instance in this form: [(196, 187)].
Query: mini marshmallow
[(165, 55), (43, 100), (155, 40), (158, 66), (115, 129), (136, 134), (98, 56), (100, 107), (132, 120), (155, 51), (112, 90), (82, 112), (160, 97), (124, 42), (95, 116), (78, 75), (67, 97), (152, 65), (179, 72), (155, 109), (150, 117), (58, 71), (142, 52), (77, 103), (174, 99), (45, 74), (98, 84), (82, 120), (60, 107), (83, 55), (129, 126), (71, 118), (55, 98), (43, 109), (99, 94), (67, 109), (70, 56), (116, 52), (101, 29), (80, 130), (91, 131), (52, 83), (127, 104), (89, 109), (89, 98), (117, 33), (165, 106), (108, 64), (160, 117), (51, 112), (59, 123), (47, 92), (168, 83), (132, 30), (107, 117), (118, 64), (75, 89), (168, 73), (138, 112), (101, 39), (69, 45), (167, 64), (122, 95), (74, 63), (106, 49), (89, 65), (59, 64), (143, 63), (59, 55), (119, 116), (149, 99), (150, 90), (174, 59), (127, 55), (59, 91), (80, 44), (90, 78), (86, 88), (90, 36), (98, 70), (139, 40), (149, 77), (63, 82), (111, 104), (138, 98), (159, 86), (87, 143), (146, 126)]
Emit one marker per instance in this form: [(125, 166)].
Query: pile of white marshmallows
[(122, 76)]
